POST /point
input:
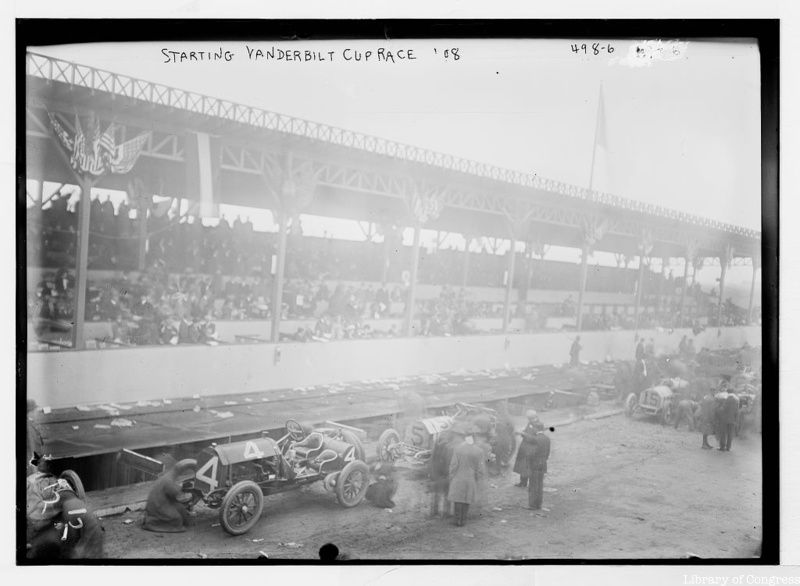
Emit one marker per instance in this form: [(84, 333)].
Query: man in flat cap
[(527, 444)]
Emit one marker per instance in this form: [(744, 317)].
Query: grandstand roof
[(359, 176)]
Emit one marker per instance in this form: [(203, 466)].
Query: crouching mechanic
[(381, 492), (59, 524), (167, 509)]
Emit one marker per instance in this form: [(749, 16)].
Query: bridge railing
[(57, 70)]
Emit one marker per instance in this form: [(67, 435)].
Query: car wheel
[(630, 404), (353, 440), (386, 443), (352, 484), (241, 508), (75, 482)]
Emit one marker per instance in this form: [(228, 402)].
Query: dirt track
[(617, 488)]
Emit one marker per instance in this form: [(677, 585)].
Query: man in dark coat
[(504, 441), (729, 415), (440, 472), (467, 468), (706, 419), (640, 350), (525, 446), (537, 463), (685, 410), (381, 492), (575, 352), (166, 511)]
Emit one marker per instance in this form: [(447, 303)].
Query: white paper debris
[(76, 427), (102, 426), (120, 422)]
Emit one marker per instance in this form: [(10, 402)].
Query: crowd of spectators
[(192, 275), (181, 243)]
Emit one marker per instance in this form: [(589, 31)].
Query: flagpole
[(594, 144)]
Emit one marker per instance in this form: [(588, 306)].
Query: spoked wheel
[(352, 483), (353, 440), (387, 444), (241, 508), (75, 482), (630, 404)]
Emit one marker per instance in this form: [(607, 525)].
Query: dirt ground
[(616, 488)]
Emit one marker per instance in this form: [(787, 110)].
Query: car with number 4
[(235, 477)]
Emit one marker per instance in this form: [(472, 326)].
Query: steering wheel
[(295, 430)]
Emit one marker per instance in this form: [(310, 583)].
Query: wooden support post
[(756, 261), (277, 282), (390, 239), (723, 261), (465, 267), (141, 214), (687, 261), (410, 300), (582, 290), (639, 287), (509, 285), (81, 264)]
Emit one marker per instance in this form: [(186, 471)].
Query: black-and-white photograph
[(393, 299)]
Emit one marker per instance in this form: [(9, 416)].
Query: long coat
[(540, 452), (483, 481), (163, 512), (729, 414), (706, 420), (467, 469), (525, 447)]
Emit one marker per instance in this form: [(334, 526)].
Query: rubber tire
[(75, 482), (387, 437), (630, 404), (355, 467), (227, 501), (352, 439)]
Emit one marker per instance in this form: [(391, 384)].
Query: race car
[(235, 477), (416, 447)]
